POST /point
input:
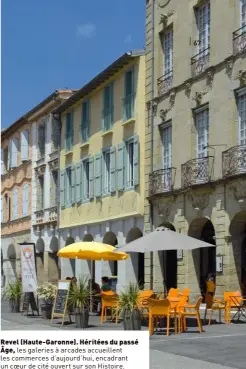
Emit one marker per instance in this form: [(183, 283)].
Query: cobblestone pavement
[(219, 347)]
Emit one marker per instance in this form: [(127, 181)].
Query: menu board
[(60, 304)]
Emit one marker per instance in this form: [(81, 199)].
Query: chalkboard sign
[(60, 304), (29, 300)]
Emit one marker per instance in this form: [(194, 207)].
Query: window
[(15, 204), (106, 173), (242, 119), (1, 209), (25, 200), (130, 164), (202, 127), (128, 160), (68, 186), (40, 193), (167, 147), (243, 14), (108, 108), (69, 131), (24, 146), (54, 188), (86, 182), (168, 54), (2, 162), (203, 25), (85, 122), (55, 135), (129, 95), (41, 140)]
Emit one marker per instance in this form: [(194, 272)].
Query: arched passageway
[(204, 258), (111, 239), (40, 247), (91, 264), (137, 258), (69, 241), (238, 233), (168, 261)]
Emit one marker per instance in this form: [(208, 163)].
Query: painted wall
[(121, 204)]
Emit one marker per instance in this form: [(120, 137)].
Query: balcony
[(197, 171), (161, 181), (239, 40), (164, 83), (200, 62), (234, 161)]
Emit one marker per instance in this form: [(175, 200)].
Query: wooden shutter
[(25, 200), (112, 169), (14, 153), (98, 175), (91, 177), (121, 166), (72, 185), (78, 182), (128, 83), (62, 188), (24, 145), (136, 160)]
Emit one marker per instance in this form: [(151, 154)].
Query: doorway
[(244, 265), (207, 255)]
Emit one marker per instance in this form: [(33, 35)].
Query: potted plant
[(79, 299), (128, 306), (13, 292), (47, 292)]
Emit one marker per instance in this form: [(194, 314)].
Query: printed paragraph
[(126, 350)]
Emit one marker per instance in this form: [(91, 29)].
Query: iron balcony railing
[(107, 119), (161, 181), (234, 161), (197, 171), (128, 107), (165, 82), (200, 62), (239, 40)]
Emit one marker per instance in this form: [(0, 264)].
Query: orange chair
[(143, 297), (110, 302), (173, 292), (158, 309), (183, 313), (186, 292), (176, 310), (234, 301)]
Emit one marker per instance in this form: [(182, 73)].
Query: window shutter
[(25, 200), (14, 153), (111, 101), (91, 177), (99, 174), (88, 119), (9, 156), (78, 182), (136, 160), (38, 194), (24, 145), (1, 209), (121, 166), (72, 130), (128, 83), (112, 169), (15, 204), (2, 162), (62, 188), (73, 185)]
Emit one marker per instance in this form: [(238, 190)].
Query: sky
[(47, 45)]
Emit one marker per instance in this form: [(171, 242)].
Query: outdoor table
[(240, 306)]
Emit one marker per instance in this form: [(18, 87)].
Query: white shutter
[(25, 200), (9, 155), (24, 145), (15, 204), (14, 153), (2, 162), (1, 209)]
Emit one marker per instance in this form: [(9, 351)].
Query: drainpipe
[(152, 130)]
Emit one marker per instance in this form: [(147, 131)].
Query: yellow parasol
[(91, 251)]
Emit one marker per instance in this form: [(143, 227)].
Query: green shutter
[(78, 182), (72, 185), (129, 83), (121, 166), (67, 134), (112, 169), (136, 160), (62, 188), (111, 101), (71, 130), (98, 175), (91, 177)]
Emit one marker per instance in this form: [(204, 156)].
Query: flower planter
[(46, 311), (14, 305), (81, 318), (132, 320)]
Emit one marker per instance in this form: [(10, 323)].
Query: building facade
[(102, 151), (196, 135), (45, 133), (16, 195)]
